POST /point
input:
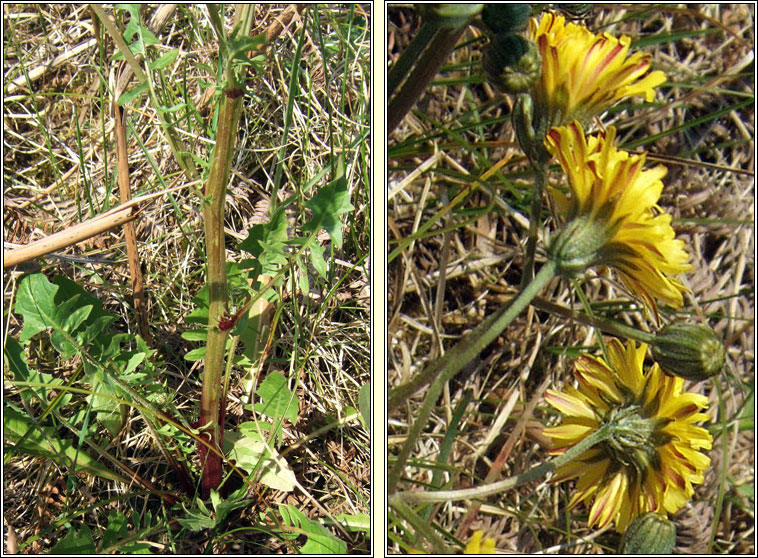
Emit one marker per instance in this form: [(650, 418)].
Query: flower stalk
[(420, 497), (612, 327), (411, 74), (442, 371)]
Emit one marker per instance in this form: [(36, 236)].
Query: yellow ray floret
[(652, 468), (615, 200), (583, 74)]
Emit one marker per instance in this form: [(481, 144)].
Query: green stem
[(723, 469), (411, 74), (398, 395), (229, 366), (587, 308), (440, 372), (613, 327), (226, 135), (534, 219), (599, 435)]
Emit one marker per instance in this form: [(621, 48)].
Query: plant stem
[(440, 372), (725, 462), (420, 61), (613, 327), (599, 435), (534, 218), (226, 135)]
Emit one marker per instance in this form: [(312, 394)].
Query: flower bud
[(689, 351), (576, 11), (449, 15), (634, 438), (512, 63), (650, 533), (505, 18)]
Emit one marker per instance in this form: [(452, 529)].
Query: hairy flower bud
[(650, 533), (449, 15), (689, 351), (506, 18), (575, 11), (512, 63)]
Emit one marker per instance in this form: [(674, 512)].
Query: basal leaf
[(16, 363), (278, 400), (63, 306), (69, 323), (320, 540), (327, 205), (251, 453), (69, 289), (35, 302), (76, 541), (46, 442)]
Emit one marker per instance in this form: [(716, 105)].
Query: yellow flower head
[(583, 74), (613, 216), (653, 458), (478, 546)]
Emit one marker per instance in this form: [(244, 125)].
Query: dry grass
[(446, 281), (59, 169)]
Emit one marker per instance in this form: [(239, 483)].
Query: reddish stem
[(212, 470), (228, 322)]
